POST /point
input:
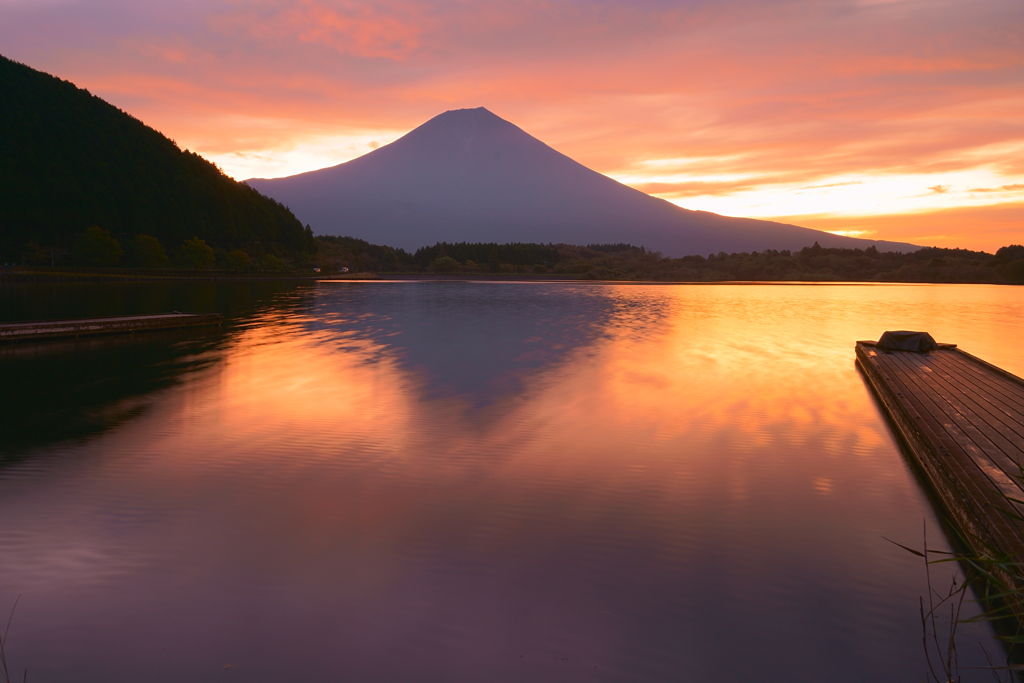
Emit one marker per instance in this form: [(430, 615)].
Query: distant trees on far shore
[(96, 246), (628, 262), (814, 264)]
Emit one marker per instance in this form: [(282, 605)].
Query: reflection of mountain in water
[(476, 340)]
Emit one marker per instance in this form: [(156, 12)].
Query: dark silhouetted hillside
[(69, 160), (470, 176)]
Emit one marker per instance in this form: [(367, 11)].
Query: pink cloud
[(349, 27)]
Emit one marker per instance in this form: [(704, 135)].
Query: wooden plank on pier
[(963, 421), (42, 329)]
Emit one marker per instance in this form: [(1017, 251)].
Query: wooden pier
[(963, 421), (29, 331)]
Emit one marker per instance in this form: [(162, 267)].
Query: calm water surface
[(459, 481)]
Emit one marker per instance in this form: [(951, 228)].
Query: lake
[(463, 481)]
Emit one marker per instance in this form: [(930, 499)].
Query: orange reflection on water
[(678, 372), (273, 393)]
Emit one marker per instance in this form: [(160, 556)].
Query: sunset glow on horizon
[(899, 120)]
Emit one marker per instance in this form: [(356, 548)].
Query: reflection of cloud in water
[(476, 340)]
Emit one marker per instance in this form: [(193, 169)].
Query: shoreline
[(31, 275)]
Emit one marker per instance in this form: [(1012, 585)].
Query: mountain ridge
[(469, 175)]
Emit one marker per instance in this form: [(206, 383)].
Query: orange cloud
[(1019, 187), (694, 188), (984, 228)]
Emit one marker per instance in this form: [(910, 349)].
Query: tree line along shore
[(142, 254), (629, 262)]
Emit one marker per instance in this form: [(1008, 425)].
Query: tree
[(1010, 252), (1014, 270), (445, 264), (146, 251), (271, 262), (238, 260), (96, 247), (196, 254)]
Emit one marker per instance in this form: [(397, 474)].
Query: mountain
[(69, 160), (469, 175)]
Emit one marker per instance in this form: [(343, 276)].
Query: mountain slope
[(69, 160), (468, 175)]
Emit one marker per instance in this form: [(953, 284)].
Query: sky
[(890, 119)]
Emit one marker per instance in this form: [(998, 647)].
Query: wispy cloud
[(1017, 187), (822, 187), (698, 188), (852, 233)]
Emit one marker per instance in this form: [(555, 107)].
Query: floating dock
[(963, 421), (117, 325)]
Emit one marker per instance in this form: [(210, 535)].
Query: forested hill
[(69, 161)]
